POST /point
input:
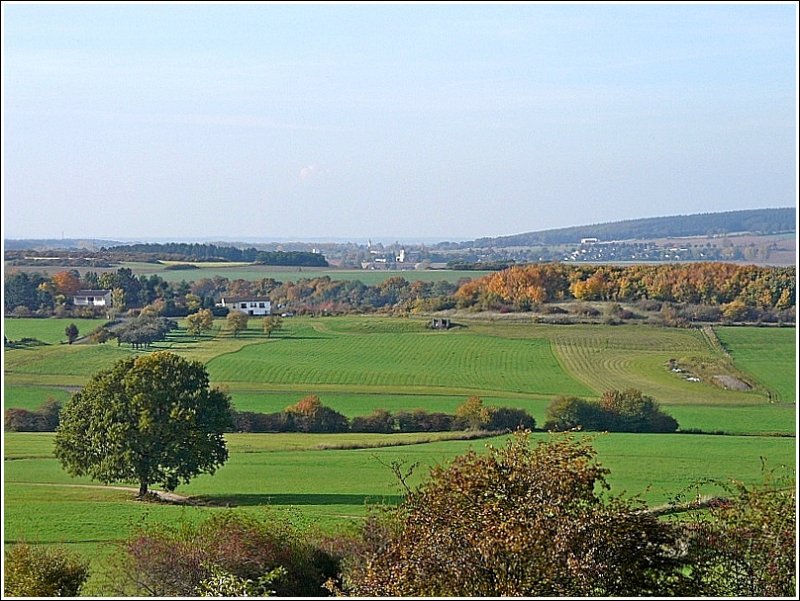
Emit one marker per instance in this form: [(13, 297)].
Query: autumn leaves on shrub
[(228, 555), (539, 520)]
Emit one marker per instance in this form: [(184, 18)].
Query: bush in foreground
[(226, 552), (520, 521), (34, 571), (746, 546)]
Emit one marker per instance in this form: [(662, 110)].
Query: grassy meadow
[(357, 364), (765, 355)]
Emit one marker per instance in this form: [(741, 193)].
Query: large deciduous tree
[(151, 420)]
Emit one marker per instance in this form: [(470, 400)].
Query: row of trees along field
[(738, 290), (695, 283), (172, 251)]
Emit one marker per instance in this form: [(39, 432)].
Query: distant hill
[(60, 243), (756, 221)]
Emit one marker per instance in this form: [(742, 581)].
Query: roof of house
[(246, 299), (92, 292)]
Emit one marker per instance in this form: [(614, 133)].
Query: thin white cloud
[(310, 171)]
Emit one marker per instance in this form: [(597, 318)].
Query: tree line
[(736, 292), (310, 415), (179, 251), (716, 284), (617, 411)]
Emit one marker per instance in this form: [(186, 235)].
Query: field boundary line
[(710, 336)]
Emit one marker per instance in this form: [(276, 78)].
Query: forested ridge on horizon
[(755, 221)]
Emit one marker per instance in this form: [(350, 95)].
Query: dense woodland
[(714, 284), (702, 292)]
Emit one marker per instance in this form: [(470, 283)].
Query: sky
[(390, 121)]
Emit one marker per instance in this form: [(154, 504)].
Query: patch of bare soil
[(731, 383)]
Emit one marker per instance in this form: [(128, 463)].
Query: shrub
[(568, 413), (34, 571), (510, 419), (617, 411), (379, 420), (472, 415), (746, 547), (226, 550), (44, 419), (310, 415), (420, 420), (631, 411), (519, 521), (20, 420)]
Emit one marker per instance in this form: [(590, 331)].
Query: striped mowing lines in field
[(60, 364), (637, 357), (456, 361)]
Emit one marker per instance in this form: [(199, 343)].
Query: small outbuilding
[(440, 323)]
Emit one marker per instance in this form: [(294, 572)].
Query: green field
[(332, 488), (49, 330), (32, 397), (765, 354), (357, 364)]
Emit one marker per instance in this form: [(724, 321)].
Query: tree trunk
[(142, 489)]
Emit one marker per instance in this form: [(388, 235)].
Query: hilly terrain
[(756, 221)]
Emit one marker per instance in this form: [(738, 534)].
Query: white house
[(252, 305), (92, 298)]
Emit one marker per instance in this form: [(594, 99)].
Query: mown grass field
[(332, 489), (765, 354), (357, 364), (50, 331)]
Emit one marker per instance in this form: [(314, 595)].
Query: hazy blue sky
[(390, 121)]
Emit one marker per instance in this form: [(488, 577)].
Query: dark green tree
[(151, 419), (71, 332)]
